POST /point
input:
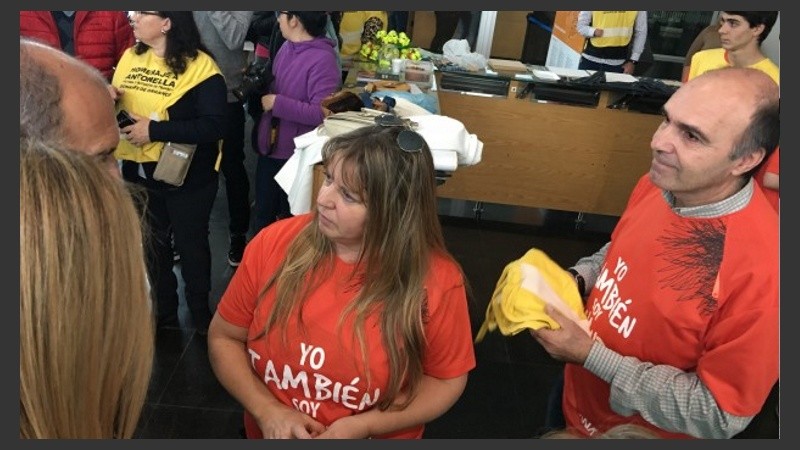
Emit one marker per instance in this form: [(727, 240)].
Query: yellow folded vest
[(524, 288)]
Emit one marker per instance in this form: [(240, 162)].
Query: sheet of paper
[(509, 65), (613, 77), (674, 83), (545, 75), (568, 73)]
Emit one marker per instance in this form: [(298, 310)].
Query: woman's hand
[(114, 92), (285, 422), (348, 427), (268, 101), (138, 134), (628, 67)]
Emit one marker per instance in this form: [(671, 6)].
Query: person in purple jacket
[(306, 72)]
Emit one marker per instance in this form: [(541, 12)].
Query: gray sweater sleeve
[(639, 35), (232, 26), (589, 267), (582, 25), (665, 396)]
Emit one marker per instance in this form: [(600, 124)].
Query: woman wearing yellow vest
[(608, 34), (176, 93)]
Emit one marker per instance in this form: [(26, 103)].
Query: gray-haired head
[(64, 102)]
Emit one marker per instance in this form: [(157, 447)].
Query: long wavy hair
[(183, 41), (402, 233), (86, 332)]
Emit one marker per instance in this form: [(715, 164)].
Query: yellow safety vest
[(617, 27)]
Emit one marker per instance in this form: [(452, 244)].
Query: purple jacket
[(305, 73)]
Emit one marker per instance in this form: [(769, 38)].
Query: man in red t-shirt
[(683, 301)]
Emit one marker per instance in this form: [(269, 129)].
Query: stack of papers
[(620, 78), (568, 73), (507, 65), (554, 73), (545, 75)]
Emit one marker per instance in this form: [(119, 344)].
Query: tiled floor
[(506, 394)]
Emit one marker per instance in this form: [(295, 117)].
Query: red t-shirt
[(699, 294), (320, 371), (772, 166)]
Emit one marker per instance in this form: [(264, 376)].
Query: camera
[(256, 79)]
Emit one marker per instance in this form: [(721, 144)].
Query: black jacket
[(198, 117)]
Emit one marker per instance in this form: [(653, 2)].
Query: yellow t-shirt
[(715, 58), (525, 288), (150, 87)]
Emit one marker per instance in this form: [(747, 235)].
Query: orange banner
[(565, 29)]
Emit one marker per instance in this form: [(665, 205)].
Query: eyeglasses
[(408, 140), (146, 13)]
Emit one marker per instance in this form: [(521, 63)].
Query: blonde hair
[(628, 431), (621, 431), (86, 326), (401, 235)]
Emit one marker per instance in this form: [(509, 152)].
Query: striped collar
[(729, 205)]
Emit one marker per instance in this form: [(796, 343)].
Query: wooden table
[(547, 155)]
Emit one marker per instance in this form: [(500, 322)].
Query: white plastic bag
[(458, 52)]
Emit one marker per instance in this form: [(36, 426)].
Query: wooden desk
[(546, 155), (508, 36)]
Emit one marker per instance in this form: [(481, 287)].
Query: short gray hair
[(39, 99), (41, 92)]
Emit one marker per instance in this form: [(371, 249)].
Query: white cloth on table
[(446, 133), (450, 143)]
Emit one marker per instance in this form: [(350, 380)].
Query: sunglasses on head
[(408, 140)]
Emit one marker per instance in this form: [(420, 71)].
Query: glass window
[(672, 32)]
